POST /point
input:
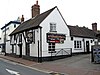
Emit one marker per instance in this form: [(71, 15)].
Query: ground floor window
[(77, 44), (51, 47)]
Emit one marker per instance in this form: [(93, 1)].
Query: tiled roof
[(81, 32), (33, 22)]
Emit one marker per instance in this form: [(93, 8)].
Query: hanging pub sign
[(29, 35), (20, 38), (55, 38)]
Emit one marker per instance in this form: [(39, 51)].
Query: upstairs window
[(52, 27), (14, 25), (71, 38)]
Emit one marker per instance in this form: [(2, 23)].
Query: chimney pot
[(37, 2), (22, 18)]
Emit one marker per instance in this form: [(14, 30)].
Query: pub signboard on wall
[(29, 36), (55, 38)]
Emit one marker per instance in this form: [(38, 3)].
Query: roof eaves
[(83, 36), (24, 30)]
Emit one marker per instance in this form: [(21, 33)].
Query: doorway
[(27, 49), (20, 50), (87, 47)]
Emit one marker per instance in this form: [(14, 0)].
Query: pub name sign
[(55, 38)]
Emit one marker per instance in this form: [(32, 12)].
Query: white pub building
[(47, 36)]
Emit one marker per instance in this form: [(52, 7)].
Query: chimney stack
[(94, 26), (22, 19), (35, 9)]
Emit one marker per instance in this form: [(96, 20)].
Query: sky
[(75, 12)]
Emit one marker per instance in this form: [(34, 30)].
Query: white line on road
[(12, 72)]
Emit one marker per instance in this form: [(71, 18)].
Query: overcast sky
[(75, 12)]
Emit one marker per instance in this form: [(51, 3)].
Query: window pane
[(71, 38), (74, 44), (53, 47), (77, 44), (49, 49), (80, 44), (49, 43), (14, 25), (53, 44), (52, 27), (49, 46)]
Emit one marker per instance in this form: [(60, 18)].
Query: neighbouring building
[(5, 38), (47, 35), (0, 46), (82, 39)]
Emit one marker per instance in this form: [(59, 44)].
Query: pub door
[(20, 50), (87, 47)]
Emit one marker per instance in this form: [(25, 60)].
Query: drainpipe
[(40, 44), (38, 52), (40, 47), (5, 40), (84, 44)]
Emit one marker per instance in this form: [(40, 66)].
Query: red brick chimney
[(94, 26), (22, 19), (35, 9)]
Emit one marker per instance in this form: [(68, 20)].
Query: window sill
[(77, 48)]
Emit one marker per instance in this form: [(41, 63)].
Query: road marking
[(12, 72)]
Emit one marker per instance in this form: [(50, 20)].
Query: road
[(75, 65), (11, 68)]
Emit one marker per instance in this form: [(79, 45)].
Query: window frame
[(77, 44), (53, 27), (51, 47), (14, 25)]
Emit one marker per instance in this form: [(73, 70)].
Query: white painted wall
[(34, 46), (8, 47), (23, 46), (61, 28), (83, 45)]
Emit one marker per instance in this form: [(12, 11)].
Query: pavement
[(75, 65)]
